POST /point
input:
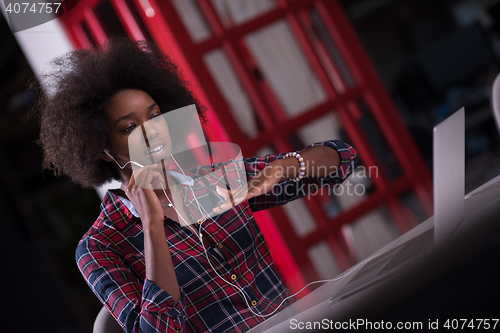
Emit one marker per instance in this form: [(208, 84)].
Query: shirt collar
[(129, 205), (181, 178)]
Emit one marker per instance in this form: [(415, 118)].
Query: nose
[(149, 133)]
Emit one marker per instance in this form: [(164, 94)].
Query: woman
[(153, 273)]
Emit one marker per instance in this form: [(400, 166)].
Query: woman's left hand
[(262, 183)]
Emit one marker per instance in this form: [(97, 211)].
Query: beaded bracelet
[(302, 171)]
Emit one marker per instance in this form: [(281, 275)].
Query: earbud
[(107, 153)]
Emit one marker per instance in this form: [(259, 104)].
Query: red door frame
[(170, 34)]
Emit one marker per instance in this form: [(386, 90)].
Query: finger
[(151, 180), (256, 188), (222, 192), (234, 195), (248, 193), (140, 176), (131, 182), (235, 199), (145, 176), (144, 168), (251, 189), (148, 179), (158, 180)]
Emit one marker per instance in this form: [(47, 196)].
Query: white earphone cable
[(200, 236), (237, 287)]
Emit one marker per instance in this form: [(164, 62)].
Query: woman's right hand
[(140, 192), (159, 267)]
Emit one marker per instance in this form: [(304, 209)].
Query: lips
[(155, 148)]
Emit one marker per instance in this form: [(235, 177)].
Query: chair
[(495, 97), (105, 323)]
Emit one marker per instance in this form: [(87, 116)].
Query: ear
[(105, 156)]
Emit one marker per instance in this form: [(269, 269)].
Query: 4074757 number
[(481, 324), (35, 8)]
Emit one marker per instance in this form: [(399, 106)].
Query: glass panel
[(110, 23), (265, 151), (353, 190), (193, 19), (230, 87), (87, 33), (283, 65), (138, 20), (363, 176), (323, 260), (348, 194), (233, 12), (301, 219), (370, 233), (327, 127), (296, 142), (333, 51), (331, 207), (386, 157), (413, 204)]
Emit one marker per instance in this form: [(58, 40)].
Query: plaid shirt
[(111, 258)]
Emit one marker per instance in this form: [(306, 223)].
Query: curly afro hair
[(73, 98)]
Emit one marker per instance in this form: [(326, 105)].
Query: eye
[(156, 117), (129, 129)]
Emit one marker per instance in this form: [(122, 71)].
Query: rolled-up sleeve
[(289, 190), (138, 306)]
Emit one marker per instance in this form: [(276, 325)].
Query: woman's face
[(137, 130)]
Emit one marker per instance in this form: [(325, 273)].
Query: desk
[(481, 205)]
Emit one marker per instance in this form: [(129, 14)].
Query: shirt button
[(254, 302), (233, 277), (199, 221), (221, 246)]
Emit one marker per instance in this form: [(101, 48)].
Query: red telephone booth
[(277, 75)]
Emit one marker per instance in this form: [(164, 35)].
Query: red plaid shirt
[(111, 258)]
